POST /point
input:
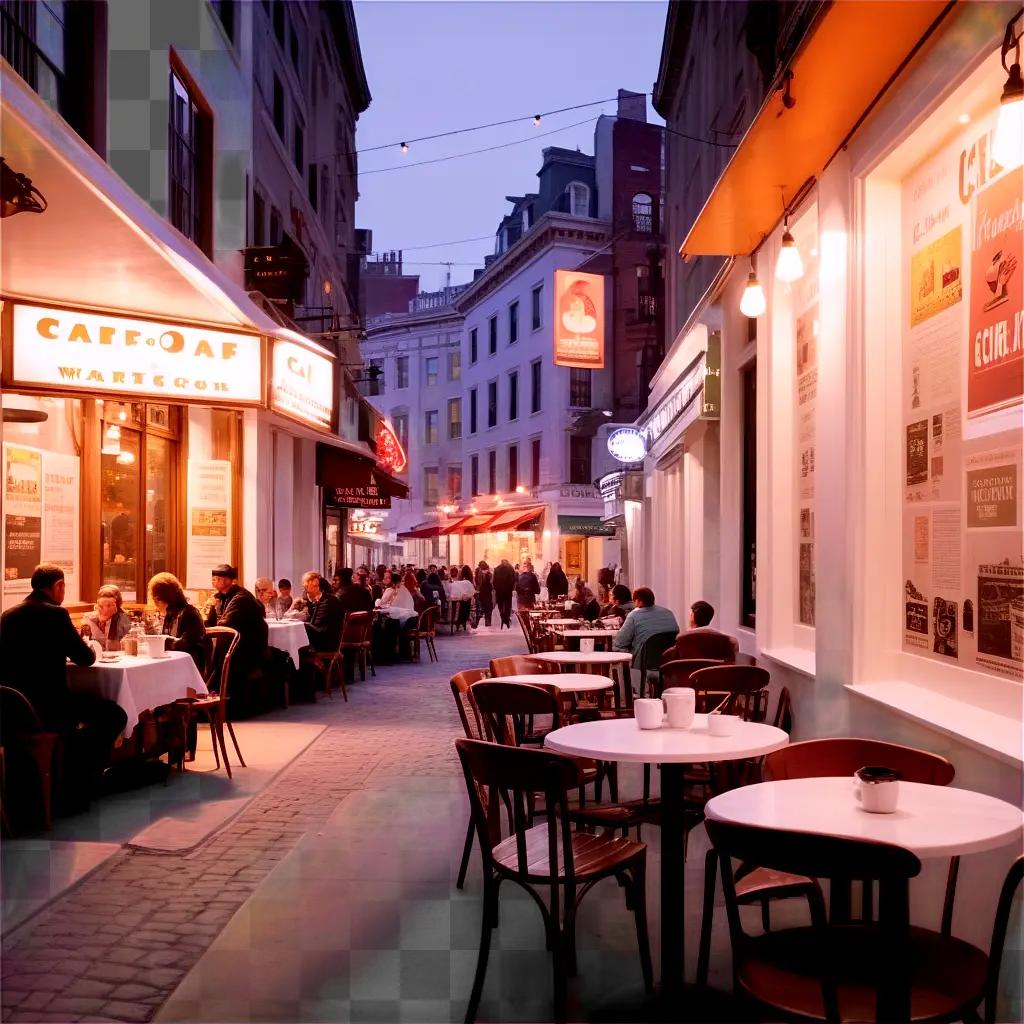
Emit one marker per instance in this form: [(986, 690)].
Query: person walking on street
[(484, 593), (527, 587), (504, 585), (557, 583)]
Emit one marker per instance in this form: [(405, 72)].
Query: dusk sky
[(434, 67)]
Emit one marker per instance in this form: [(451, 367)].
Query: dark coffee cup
[(876, 773)]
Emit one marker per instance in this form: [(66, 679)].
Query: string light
[(789, 267), (405, 148), (753, 303), (1008, 142), (536, 120)]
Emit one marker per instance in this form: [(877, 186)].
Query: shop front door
[(574, 557)]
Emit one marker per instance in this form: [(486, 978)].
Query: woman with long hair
[(485, 592), (180, 619), (557, 582)]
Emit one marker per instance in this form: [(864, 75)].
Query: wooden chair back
[(18, 718), (652, 651), (502, 776), (371, 618), (526, 624), (472, 723), (746, 686), (784, 712), (352, 629), (225, 642), (703, 644), (818, 856), (427, 624), (507, 709), (679, 672), (995, 957), (842, 756), (521, 665)]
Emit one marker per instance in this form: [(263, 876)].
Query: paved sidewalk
[(116, 946)]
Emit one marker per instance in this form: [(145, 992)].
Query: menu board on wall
[(41, 520), (805, 313), (962, 388), (209, 520)]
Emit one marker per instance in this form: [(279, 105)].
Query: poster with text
[(963, 554), (209, 520), (61, 488), (23, 517)]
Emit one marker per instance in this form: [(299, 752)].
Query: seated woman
[(433, 590), (622, 602), (461, 594), (180, 619), (109, 622), (411, 583)]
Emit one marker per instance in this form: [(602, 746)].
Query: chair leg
[(640, 913), (707, 917), (947, 903), (213, 739), (486, 925), (467, 851), (560, 972), (362, 664), (218, 729), (341, 680), (373, 667), (234, 741), (766, 914)]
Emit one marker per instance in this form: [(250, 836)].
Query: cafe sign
[(105, 354), (302, 383)]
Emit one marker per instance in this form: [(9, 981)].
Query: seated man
[(266, 594), (36, 639), (235, 607), (700, 641), (323, 626), (646, 620)]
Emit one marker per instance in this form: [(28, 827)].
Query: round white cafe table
[(603, 634), (287, 635), (140, 683), (557, 622), (602, 658), (930, 821), (621, 739), (567, 682)]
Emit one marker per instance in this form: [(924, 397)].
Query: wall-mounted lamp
[(789, 267), (17, 193), (1008, 143), (753, 302)]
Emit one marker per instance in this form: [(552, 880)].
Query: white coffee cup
[(681, 704), (587, 645), (877, 789), (722, 725), (648, 713)]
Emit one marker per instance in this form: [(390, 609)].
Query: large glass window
[(513, 323), (579, 460), (492, 403), (401, 424), (430, 418), (513, 466), (401, 371), (535, 462), (492, 335), (454, 483), (474, 475), (430, 482), (430, 371), (119, 509), (474, 351), (454, 418), (472, 410), (492, 472), (580, 388), (536, 308), (454, 366), (535, 384), (189, 177), (513, 395)]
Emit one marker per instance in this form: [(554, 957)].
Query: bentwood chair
[(27, 743), (526, 624), (214, 706), (1006, 897), (839, 971), (649, 660), (425, 632), (700, 643), (473, 726), (356, 636), (521, 665), (841, 756), (547, 858), (330, 664)]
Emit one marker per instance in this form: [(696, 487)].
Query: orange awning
[(513, 518), (850, 56), (421, 532)]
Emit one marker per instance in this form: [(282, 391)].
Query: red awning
[(514, 518), (421, 532), (469, 524), (390, 485)]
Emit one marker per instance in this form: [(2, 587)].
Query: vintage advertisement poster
[(935, 277), (23, 516), (579, 319), (995, 355), (209, 519), (61, 487), (963, 554)]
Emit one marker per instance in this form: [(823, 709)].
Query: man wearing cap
[(235, 607)]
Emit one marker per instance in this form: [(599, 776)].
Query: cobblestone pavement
[(114, 947)]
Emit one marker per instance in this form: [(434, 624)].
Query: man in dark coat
[(353, 597), (504, 584), (235, 607), (324, 611), (36, 639)]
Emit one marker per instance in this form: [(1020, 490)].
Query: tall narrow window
[(492, 403), (454, 418), (579, 388), (535, 462), (455, 366), (430, 418), (401, 371), (513, 323), (298, 143), (579, 199), (259, 218), (472, 410), (430, 481), (474, 475), (474, 353), (535, 382), (579, 460), (279, 108), (492, 472), (279, 20), (225, 10), (513, 395), (536, 307), (454, 483), (190, 171), (313, 186), (274, 235), (430, 371), (748, 554), (492, 335), (401, 424), (513, 466)]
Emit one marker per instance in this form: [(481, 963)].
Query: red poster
[(995, 363)]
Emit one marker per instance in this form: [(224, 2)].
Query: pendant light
[(789, 267), (1008, 142), (753, 303)]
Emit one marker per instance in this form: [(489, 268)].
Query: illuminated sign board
[(579, 320), (104, 354), (302, 383), (390, 453), (627, 444)]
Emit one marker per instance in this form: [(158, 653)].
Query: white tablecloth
[(139, 683), (288, 635)]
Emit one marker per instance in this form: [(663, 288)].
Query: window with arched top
[(643, 213), (579, 199)]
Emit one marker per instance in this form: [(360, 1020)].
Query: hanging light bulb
[(405, 148), (111, 440), (126, 458), (1008, 142), (536, 120), (122, 415), (789, 267), (753, 303)]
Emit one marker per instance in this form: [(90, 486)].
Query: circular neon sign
[(627, 444)]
